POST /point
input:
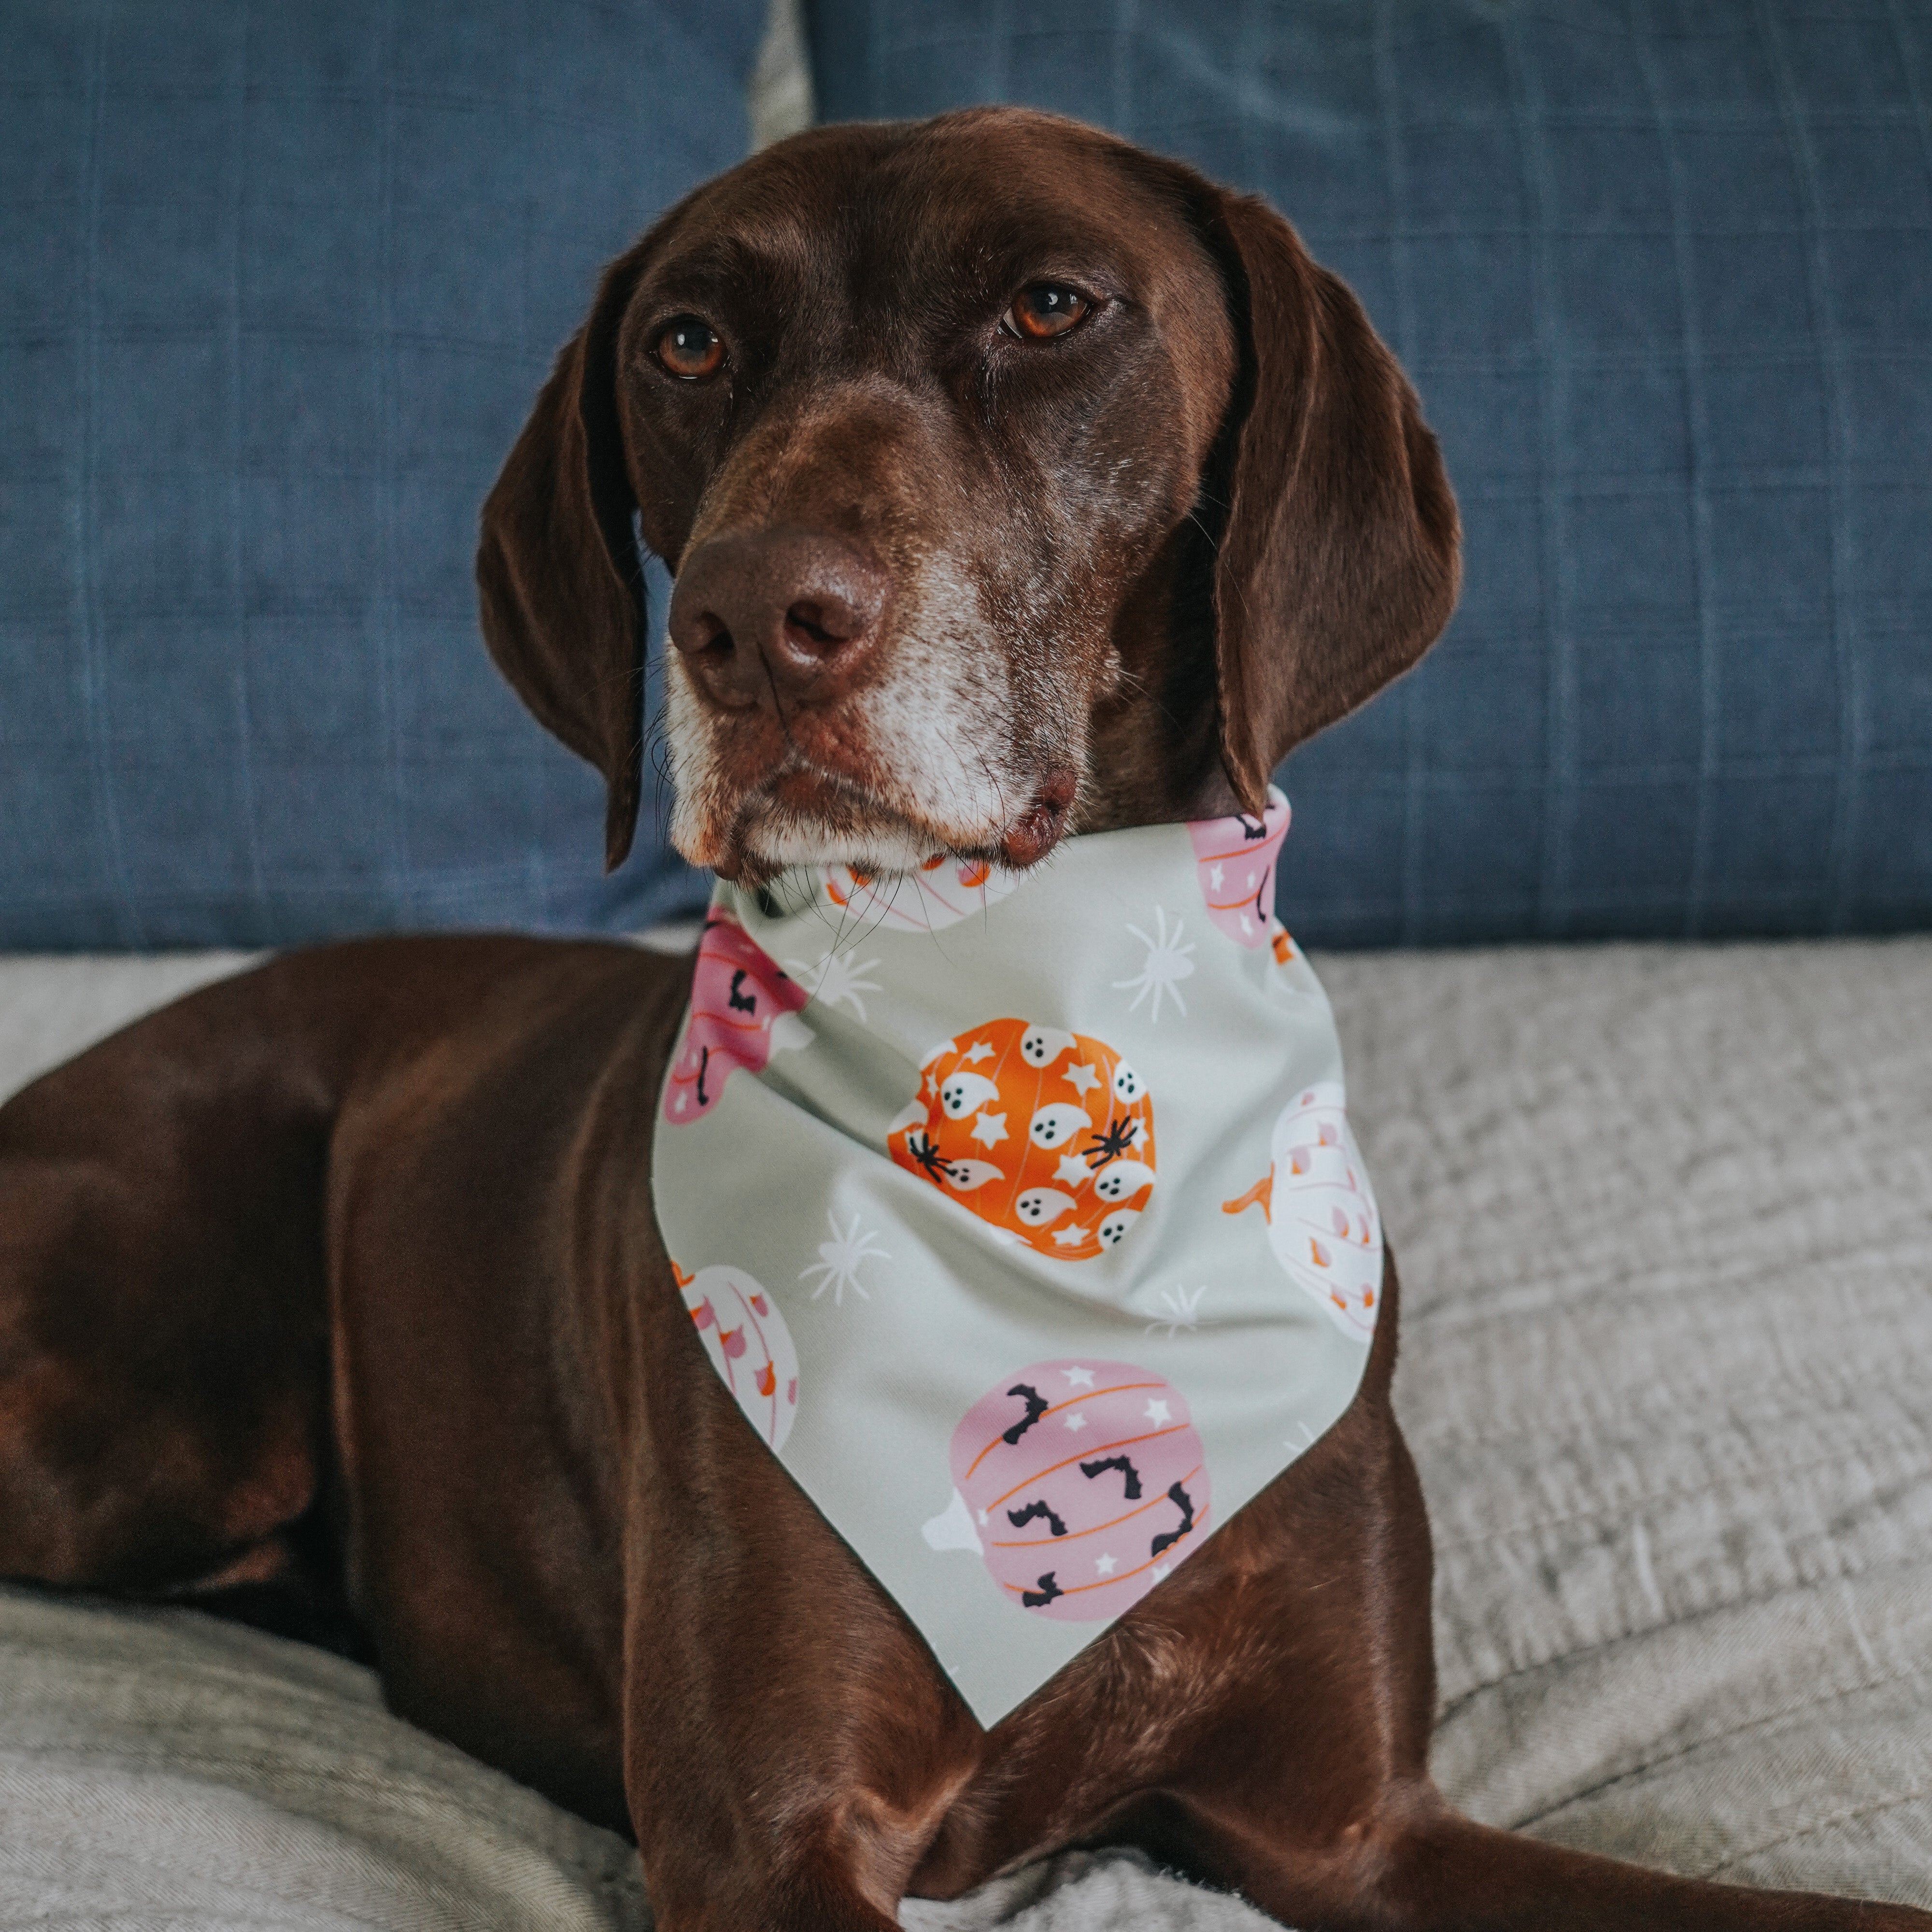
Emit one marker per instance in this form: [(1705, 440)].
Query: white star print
[(1216, 874), (1105, 1564), (683, 1098), (977, 1052), (1075, 1422), (1078, 1377), (989, 1129), (1069, 1237), (1157, 1411), (1160, 1571), (1083, 1077), (1072, 1171)]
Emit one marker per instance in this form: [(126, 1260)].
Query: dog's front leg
[(1251, 1720), (790, 1746)]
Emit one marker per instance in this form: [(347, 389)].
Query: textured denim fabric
[(278, 285), (1662, 271)]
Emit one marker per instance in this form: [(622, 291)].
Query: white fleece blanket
[(1664, 1217)]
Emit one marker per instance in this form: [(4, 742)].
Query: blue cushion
[(1662, 271), (278, 283)]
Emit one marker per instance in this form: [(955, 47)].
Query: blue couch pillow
[(1662, 271), (278, 283)]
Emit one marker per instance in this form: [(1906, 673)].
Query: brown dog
[(1019, 482)]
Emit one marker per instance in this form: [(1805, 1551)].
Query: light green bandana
[(1022, 1217)]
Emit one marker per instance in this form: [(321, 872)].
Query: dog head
[(1015, 481)]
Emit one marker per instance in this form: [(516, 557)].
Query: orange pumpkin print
[(1047, 1134)]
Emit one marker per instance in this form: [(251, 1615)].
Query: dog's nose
[(778, 616)]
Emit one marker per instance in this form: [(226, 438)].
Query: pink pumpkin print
[(943, 891), (1322, 1222), (743, 1009), (1083, 1482), (749, 1346), (1235, 858)]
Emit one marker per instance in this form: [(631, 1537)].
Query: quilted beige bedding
[(1665, 1221)]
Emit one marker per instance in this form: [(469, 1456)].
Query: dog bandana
[(1021, 1216)]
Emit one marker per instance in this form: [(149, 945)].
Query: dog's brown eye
[(690, 348), (1045, 310)]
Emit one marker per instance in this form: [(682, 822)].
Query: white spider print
[(1184, 1310), (836, 979), (841, 1259), (1168, 963)]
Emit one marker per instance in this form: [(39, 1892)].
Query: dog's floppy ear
[(560, 581), (1338, 560)]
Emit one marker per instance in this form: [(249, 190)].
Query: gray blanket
[(1665, 1223)]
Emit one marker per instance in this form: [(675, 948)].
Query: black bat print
[(703, 1061), (1131, 1488), (1179, 1496), (743, 1003), (1036, 1405), (1020, 1518), (1252, 829), (1048, 1589)]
